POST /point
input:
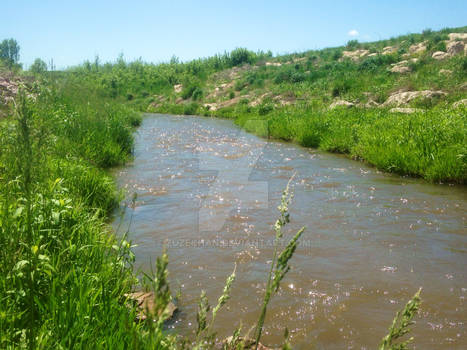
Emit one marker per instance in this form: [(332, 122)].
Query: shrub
[(340, 88), (240, 85), (241, 56), (352, 45), (188, 90), (190, 108), (265, 108), (38, 67), (464, 64), (197, 94)]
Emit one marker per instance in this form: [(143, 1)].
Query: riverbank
[(398, 104), (64, 278), (57, 147), (428, 144), (372, 238)]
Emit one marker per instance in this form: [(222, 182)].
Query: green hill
[(398, 104)]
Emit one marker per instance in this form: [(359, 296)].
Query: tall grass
[(429, 144), (63, 277)]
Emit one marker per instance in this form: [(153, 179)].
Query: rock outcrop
[(178, 88), (274, 64), (455, 47), (211, 106), (460, 103), (402, 98), (370, 104), (456, 44), (417, 48), (388, 50), (457, 36), (402, 66), (402, 69), (440, 55), (8, 89), (147, 308), (355, 55), (445, 71), (405, 110), (341, 103)]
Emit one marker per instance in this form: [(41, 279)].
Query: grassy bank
[(427, 144), (339, 99), (63, 275)]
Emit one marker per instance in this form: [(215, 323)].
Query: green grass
[(429, 145), (63, 274)]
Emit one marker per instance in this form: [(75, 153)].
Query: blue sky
[(72, 31)]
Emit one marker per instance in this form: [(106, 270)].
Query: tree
[(38, 66), (9, 51)]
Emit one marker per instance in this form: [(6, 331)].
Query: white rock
[(418, 48), (457, 36), (355, 55), (274, 64), (440, 55), (403, 98), (460, 103), (445, 71), (401, 69), (455, 47), (389, 50), (178, 88), (341, 103), (405, 110)]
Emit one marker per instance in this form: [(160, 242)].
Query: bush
[(38, 67), (265, 109), (352, 45), (240, 85), (464, 64), (190, 108), (340, 88), (241, 56), (197, 94)]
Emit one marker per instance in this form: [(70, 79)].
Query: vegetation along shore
[(66, 280)]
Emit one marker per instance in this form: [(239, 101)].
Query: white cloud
[(353, 32)]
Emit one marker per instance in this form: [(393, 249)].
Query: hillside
[(355, 100), (430, 66), (398, 104), (67, 281)]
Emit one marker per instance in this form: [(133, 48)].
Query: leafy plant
[(280, 261), (400, 326)]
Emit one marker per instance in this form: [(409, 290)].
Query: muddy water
[(209, 192)]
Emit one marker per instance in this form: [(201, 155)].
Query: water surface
[(209, 192)]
